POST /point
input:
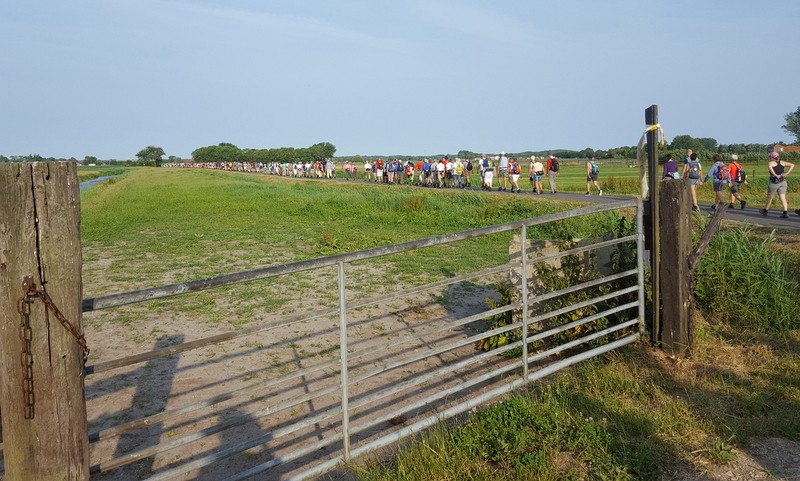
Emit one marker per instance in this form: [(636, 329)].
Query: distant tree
[(3, 158), (621, 153), (792, 125), (150, 155), (683, 142), (224, 152), (327, 149), (89, 159), (708, 143)]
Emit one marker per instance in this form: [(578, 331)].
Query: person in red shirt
[(418, 170), (734, 168)]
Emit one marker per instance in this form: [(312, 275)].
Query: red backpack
[(723, 173)]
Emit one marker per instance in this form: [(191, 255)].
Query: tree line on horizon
[(226, 152), (705, 147)]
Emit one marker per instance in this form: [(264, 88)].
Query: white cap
[(533, 157)]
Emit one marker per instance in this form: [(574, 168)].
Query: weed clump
[(742, 282)]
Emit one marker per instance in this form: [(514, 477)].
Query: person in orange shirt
[(737, 181)]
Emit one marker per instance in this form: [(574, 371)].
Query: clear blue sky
[(109, 77)]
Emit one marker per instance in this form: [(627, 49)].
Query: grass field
[(170, 212), (635, 414)]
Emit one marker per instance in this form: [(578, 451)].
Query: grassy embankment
[(629, 415), (89, 173)]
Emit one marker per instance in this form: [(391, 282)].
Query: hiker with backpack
[(487, 170), (502, 172), (537, 172), (693, 170), (552, 172), (670, 169), (515, 170), (721, 178), (738, 179), (777, 183), (458, 174), (592, 172), (468, 173)]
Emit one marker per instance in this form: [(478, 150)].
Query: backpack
[(694, 170), (595, 168), (741, 176), (723, 173), (554, 165), (469, 165), (515, 169)]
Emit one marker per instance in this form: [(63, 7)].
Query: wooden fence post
[(676, 243), (44, 428)]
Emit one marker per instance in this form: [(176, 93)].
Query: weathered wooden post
[(41, 343), (651, 118), (675, 212)]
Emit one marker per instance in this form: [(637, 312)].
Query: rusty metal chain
[(26, 356), (26, 335)]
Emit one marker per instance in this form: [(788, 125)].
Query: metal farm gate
[(293, 397)]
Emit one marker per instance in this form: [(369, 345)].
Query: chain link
[(26, 336), (64, 322), (26, 356)]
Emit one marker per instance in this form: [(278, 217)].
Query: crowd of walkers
[(502, 173), (499, 172), (731, 177)]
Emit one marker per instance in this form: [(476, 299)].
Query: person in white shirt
[(367, 171)]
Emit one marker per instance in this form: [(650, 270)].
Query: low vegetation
[(631, 415), (89, 173)]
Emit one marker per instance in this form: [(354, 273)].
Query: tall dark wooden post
[(676, 275), (44, 427), (653, 184)]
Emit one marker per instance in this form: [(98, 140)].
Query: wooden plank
[(675, 212), (40, 237)]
